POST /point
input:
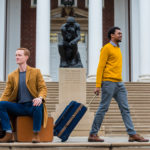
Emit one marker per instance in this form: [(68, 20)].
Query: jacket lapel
[(16, 77)]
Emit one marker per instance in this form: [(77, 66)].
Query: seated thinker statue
[(24, 95), (68, 48)]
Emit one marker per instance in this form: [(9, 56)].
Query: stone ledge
[(79, 142)]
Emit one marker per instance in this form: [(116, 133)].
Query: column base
[(47, 78), (91, 78), (144, 78)]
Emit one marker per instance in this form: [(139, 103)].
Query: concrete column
[(2, 38), (13, 34), (135, 40), (144, 6), (121, 20), (95, 37), (43, 38)]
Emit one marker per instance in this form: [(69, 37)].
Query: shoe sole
[(94, 141), (35, 141), (136, 141)]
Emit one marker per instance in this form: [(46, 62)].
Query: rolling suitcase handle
[(92, 100)]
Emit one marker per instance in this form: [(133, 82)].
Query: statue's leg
[(78, 59), (73, 61), (62, 52)]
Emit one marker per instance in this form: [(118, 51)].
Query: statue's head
[(70, 20)]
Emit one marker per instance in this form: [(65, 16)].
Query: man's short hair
[(26, 51), (112, 31)]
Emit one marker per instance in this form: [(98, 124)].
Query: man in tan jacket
[(24, 95)]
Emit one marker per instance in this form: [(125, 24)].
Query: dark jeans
[(24, 109), (118, 91)]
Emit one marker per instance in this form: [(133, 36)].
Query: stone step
[(116, 124), (123, 127), (132, 111), (132, 114), (138, 120), (123, 132), (138, 107), (134, 117), (81, 143)]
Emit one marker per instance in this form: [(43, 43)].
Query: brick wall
[(54, 4), (28, 29), (81, 4), (108, 18)]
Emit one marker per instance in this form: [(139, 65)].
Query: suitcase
[(68, 120), (25, 130)]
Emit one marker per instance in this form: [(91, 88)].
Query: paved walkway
[(110, 139), (80, 143)]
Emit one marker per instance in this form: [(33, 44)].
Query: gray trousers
[(117, 91)]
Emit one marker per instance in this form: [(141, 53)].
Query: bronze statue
[(68, 49)]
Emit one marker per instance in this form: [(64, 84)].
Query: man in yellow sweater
[(109, 79)]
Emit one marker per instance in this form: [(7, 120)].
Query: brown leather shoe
[(138, 138), (94, 138), (6, 138), (14, 137), (36, 138)]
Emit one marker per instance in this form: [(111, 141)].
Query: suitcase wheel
[(64, 139)]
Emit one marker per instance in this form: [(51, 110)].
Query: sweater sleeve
[(101, 66)]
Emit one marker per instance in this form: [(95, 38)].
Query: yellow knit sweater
[(110, 65)]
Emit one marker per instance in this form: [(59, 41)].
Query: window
[(33, 3), (87, 3), (61, 1)]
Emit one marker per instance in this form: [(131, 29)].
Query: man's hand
[(37, 101), (97, 90)]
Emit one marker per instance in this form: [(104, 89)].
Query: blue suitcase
[(68, 120)]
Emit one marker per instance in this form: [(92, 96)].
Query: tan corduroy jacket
[(35, 84)]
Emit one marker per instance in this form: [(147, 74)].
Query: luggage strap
[(70, 120)]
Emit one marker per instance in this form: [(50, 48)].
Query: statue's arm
[(63, 32), (78, 37)]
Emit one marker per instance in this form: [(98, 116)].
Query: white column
[(95, 37), (144, 6), (43, 38), (13, 33), (135, 40), (2, 38), (121, 20)]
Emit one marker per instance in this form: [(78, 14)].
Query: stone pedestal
[(72, 86)]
